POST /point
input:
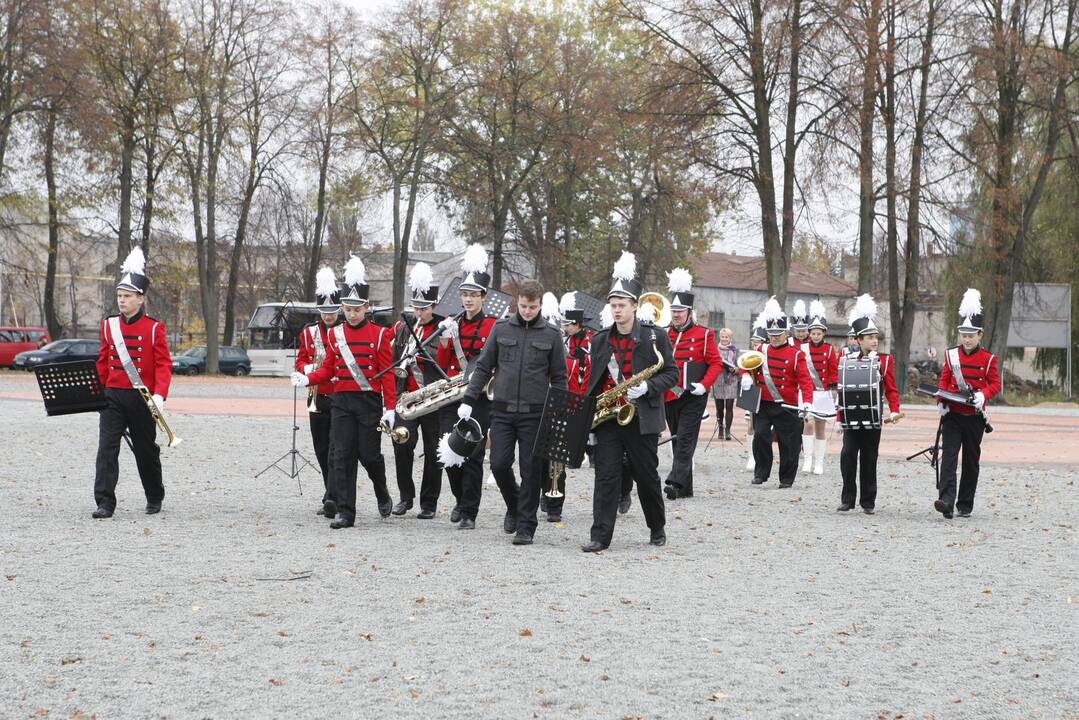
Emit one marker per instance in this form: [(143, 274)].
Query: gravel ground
[(765, 603)]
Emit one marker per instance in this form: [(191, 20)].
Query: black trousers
[(466, 480), (788, 427), (356, 438), (725, 414), (684, 422), (509, 430), (627, 475), (322, 440), (613, 443), (126, 410), (960, 432), (404, 454), (859, 458)]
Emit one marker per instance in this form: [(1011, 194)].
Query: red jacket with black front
[(579, 361), (372, 346), (148, 347), (887, 381), (306, 355), (695, 344), (787, 367), (825, 359), (980, 371), (473, 335)]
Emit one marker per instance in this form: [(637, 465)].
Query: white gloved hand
[(979, 400), (942, 408), (309, 367), (464, 411), (449, 327), (893, 417), (300, 380), (637, 391), (591, 438), (698, 389), (389, 416), (747, 382), (160, 402)]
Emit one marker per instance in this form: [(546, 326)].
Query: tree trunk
[(320, 217), (398, 290), (891, 192), (51, 320), (866, 189), (228, 330), (790, 148), (150, 146), (127, 156)]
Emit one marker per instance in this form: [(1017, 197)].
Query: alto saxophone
[(613, 403)]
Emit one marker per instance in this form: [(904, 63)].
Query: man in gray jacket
[(525, 355)]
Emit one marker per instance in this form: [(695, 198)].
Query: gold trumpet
[(158, 416), (399, 435), (662, 306), (750, 361)]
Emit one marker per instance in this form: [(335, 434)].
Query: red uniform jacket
[(401, 338), (980, 370), (579, 361), (787, 366), (306, 354), (695, 344), (825, 359), (148, 347), (371, 345), (473, 336), (887, 381)]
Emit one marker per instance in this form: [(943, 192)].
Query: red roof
[(745, 272)]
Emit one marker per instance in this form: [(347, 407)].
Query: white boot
[(807, 451), (750, 465), (819, 444)]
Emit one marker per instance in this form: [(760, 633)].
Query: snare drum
[(859, 393)]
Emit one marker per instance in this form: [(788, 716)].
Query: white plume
[(325, 282), (799, 310), (626, 267), (864, 307), (970, 305), (759, 322), (772, 310), (549, 308), (568, 302), (355, 272), (816, 309), (475, 259), (606, 319), (420, 278), (646, 312), (446, 455), (679, 281), (135, 262)]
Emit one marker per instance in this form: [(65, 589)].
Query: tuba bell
[(750, 361), (399, 435), (662, 306)]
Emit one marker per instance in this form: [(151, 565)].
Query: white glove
[(389, 416), (160, 402), (747, 382), (300, 380), (979, 400), (942, 408), (893, 417), (449, 327), (637, 391), (591, 438), (309, 367), (698, 389), (464, 411)]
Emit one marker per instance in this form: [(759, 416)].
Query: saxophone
[(613, 403), (440, 393)]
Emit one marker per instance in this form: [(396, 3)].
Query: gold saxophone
[(613, 403)]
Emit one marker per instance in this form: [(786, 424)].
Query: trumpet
[(399, 435), (158, 416), (750, 361), (662, 307)]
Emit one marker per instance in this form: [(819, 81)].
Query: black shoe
[(784, 486), (509, 523), (322, 511), (623, 504), (522, 538), (153, 508), (425, 514), (844, 508), (759, 480), (329, 509), (402, 507), (671, 492), (593, 546), (466, 524), (659, 539), (727, 436), (943, 509), (963, 513), (342, 522), (868, 511), (455, 514), (101, 513), (554, 517), (385, 507)]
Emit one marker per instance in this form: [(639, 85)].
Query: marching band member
[(134, 354), (799, 322), (757, 339), (464, 338), (972, 370), (357, 351), (522, 351), (725, 389), (823, 369), (861, 445), (699, 364), (418, 373), (618, 353), (312, 351), (606, 320), (781, 377)]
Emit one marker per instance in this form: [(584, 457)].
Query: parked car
[(231, 360), (66, 350), (14, 340)]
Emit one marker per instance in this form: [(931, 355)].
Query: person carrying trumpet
[(861, 445), (781, 376), (357, 351), (628, 349)]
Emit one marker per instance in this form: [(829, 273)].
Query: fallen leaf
[(12, 578), (198, 637), (365, 636), (147, 532), (987, 591), (331, 545), (106, 637), (71, 660), (715, 697), (41, 712), (414, 694), (276, 683), (421, 600), (585, 658), (525, 633), (282, 633), (626, 601)]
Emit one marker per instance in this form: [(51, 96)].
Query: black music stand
[(70, 387), (749, 400), (496, 304), (564, 427)]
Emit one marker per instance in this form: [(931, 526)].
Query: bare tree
[(19, 28)]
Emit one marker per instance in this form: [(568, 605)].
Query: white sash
[(117, 337), (350, 359)]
